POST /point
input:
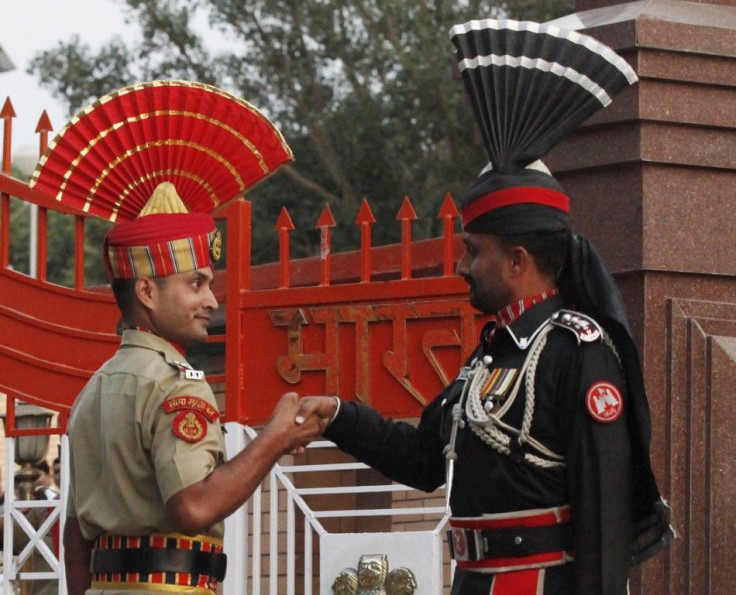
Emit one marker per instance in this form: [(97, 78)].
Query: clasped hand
[(300, 421)]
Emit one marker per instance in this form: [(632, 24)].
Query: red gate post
[(42, 128), (406, 215), (325, 221), (284, 225), (365, 219), (448, 212), (7, 114)]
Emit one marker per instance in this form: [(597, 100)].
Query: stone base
[(652, 181)]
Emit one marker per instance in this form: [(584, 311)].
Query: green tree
[(364, 91), (59, 245)]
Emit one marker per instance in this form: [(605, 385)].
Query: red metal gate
[(386, 325)]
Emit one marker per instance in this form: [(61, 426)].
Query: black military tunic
[(595, 479)]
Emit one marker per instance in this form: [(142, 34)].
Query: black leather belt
[(153, 560), (484, 544)]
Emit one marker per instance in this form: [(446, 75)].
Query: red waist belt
[(512, 541), (138, 561)]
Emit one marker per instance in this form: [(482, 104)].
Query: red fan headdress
[(156, 142)]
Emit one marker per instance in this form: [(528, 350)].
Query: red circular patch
[(190, 426), (604, 402)]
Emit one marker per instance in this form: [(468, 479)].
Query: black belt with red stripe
[(159, 559), (510, 541)]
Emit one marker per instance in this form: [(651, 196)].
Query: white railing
[(16, 513), (246, 531), (421, 551)]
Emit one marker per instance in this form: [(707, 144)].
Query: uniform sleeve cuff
[(343, 422)]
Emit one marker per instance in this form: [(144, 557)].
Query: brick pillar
[(652, 181)]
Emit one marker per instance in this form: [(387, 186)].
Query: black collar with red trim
[(524, 328)]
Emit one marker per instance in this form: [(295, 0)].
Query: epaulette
[(583, 326), (187, 370)]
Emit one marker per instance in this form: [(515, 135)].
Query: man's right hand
[(297, 422), (294, 423), (324, 407)]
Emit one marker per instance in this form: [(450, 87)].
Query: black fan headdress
[(529, 85)]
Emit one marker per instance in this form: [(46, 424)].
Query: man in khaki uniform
[(149, 486), (147, 469)]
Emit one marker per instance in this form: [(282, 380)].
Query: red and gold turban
[(157, 158), (163, 240)]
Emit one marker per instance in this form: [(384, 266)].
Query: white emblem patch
[(194, 374)]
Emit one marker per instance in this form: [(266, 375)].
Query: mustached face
[(485, 267)]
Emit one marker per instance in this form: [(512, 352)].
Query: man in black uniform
[(543, 438)]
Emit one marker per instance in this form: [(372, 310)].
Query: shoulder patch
[(583, 326), (190, 426), (187, 371), (604, 402), (188, 403)]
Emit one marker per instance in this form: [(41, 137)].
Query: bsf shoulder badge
[(193, 414), (190, 403), (604, 402), (190, 426)]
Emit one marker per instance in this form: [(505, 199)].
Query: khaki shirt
[(126, 458)]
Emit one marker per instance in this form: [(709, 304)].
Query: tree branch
[(303, 181)]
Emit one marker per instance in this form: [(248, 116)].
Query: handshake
[(295, 422)]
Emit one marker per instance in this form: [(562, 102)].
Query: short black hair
[(548, 248), (124, 292)]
